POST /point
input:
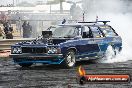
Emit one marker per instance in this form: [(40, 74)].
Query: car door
[(88, 46), (98, 41)]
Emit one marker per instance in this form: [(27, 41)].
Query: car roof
[(80, 24)]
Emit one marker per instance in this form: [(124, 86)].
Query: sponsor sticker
[(84, 78)]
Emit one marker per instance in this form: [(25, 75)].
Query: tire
[(25, 64), (111, 52), (117, 50), (70, 59)]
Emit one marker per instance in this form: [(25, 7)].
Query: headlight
[(16, 50), (53, 50)]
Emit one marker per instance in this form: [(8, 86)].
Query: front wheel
[(25, 64), (70, 59)]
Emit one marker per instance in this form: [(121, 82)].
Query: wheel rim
[(70, 59)]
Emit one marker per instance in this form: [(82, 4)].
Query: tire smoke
[(119, 12)]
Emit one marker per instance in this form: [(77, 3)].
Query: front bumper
[(38, 58), (34, 55)]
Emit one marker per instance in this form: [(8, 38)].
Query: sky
[(66, 6), (5, 2)]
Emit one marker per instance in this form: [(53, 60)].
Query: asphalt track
[(54, 76)]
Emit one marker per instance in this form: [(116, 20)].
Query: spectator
[(1, 33), (27, 29), (8, 30), (30, 29)]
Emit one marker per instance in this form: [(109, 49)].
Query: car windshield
[(64, 32)]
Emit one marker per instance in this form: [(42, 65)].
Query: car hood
[(51, 41)]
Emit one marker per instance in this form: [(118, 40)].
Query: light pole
[(13, 3), (61, 6)]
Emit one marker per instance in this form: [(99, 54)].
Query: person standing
[(27, 29), (1, 33), (8, 29), (24, 29)]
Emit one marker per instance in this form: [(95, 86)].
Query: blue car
[(68, 43)]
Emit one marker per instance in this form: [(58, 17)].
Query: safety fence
[(5, 44)]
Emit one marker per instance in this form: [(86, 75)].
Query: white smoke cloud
[(118, 12), (122, 25)]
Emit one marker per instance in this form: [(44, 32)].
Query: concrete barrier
[(5, 44)]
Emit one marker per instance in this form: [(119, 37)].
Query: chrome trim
[(35, 55)]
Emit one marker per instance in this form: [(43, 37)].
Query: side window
[(85, 32), (79, 31), (108, 31), (76, 31), (96, 32)]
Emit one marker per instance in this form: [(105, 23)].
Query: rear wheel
[(117, 50), (112, 52), (70, 59)]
